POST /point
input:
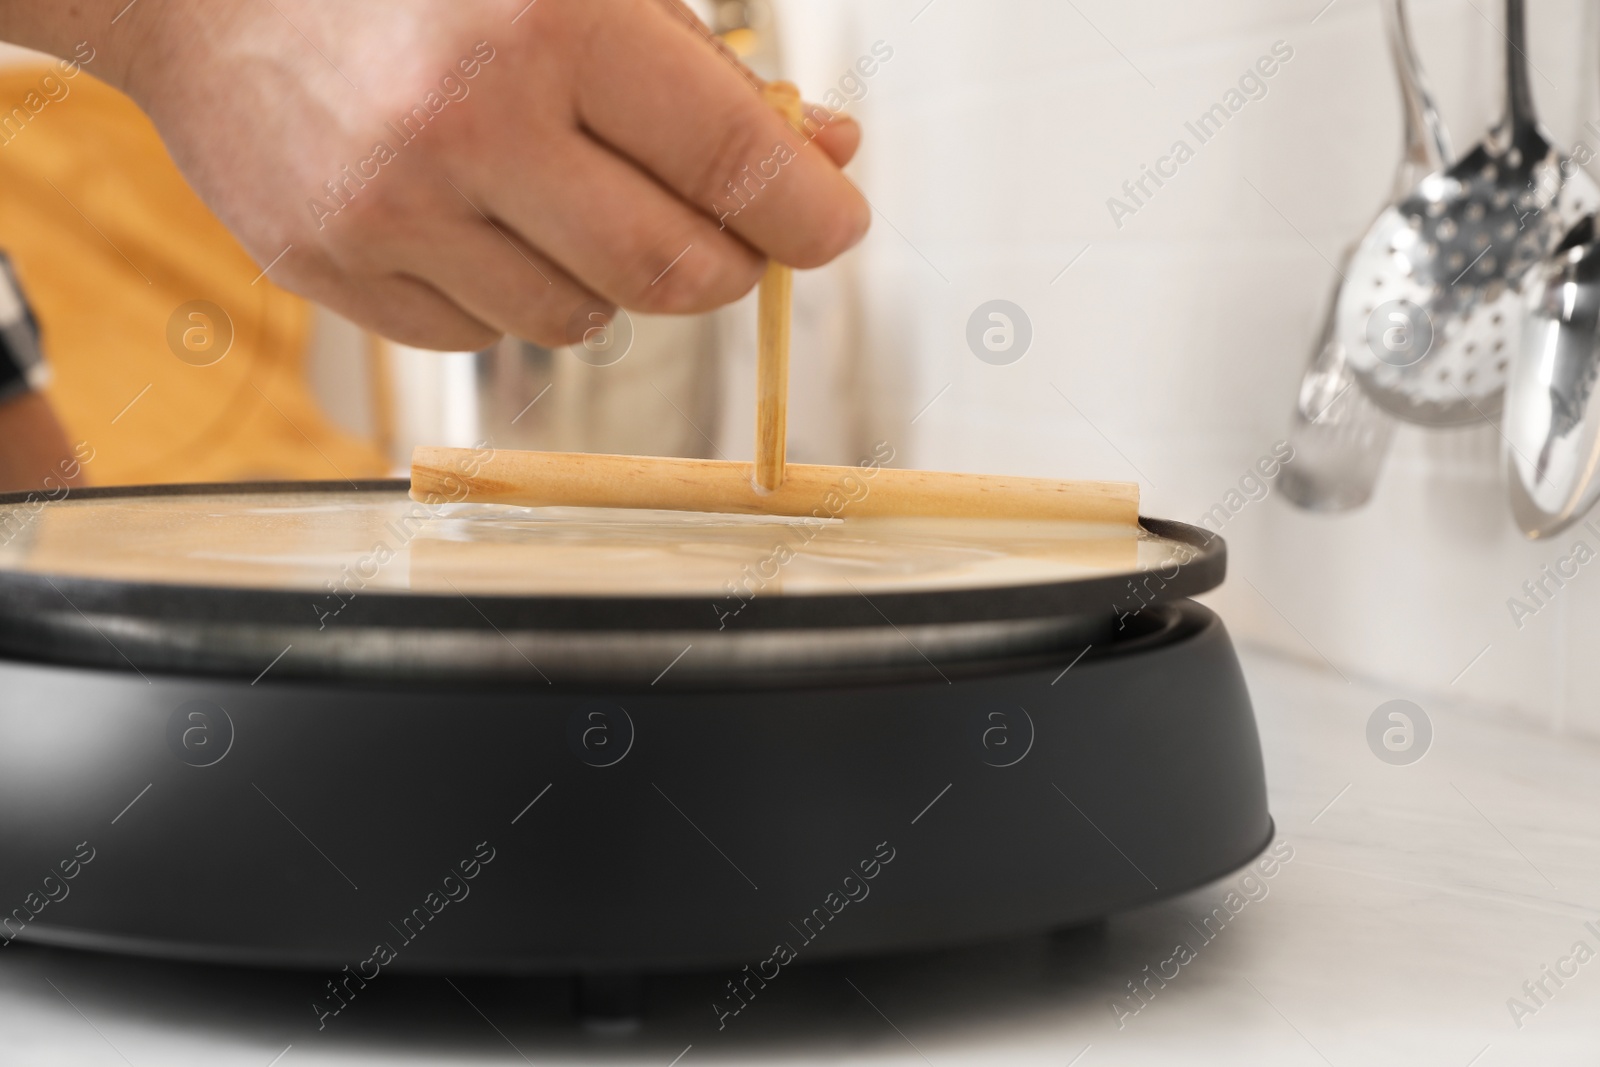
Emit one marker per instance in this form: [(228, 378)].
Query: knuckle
[(419, 96), (556, 323), (395, 308), (740, 144), (705, 277), (440, 334), (358, 234), (542, 20), (547, 336), (835, 233), (307, 270)]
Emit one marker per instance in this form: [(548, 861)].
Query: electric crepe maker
[(266, 725)]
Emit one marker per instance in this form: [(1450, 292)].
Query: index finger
[(659, 94)]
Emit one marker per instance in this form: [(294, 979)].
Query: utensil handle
[(773, 316), (772, 337), (576, 479), (1427, 142), (1519, 91)]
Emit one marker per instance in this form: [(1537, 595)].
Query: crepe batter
[(305, 540)]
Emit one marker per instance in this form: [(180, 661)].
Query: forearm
[(106, 33)]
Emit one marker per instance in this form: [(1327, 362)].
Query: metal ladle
[(1338, 435), (1432, 314)]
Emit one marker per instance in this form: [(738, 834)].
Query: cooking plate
[(363, 582)]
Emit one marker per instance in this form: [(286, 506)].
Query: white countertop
[(1419, 899)]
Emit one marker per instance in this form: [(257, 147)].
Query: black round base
[(363, 829)]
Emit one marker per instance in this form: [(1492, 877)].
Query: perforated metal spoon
[(1339, 436), (1431, 314)]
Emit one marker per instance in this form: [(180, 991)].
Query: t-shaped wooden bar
[(578, 479)]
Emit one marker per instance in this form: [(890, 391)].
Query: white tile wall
[(1170, 352)]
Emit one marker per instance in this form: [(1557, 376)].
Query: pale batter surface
[(383, 541)]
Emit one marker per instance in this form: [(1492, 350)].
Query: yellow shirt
[(113, 248)]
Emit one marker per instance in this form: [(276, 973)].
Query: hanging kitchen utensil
[(1431, 315), (1552, 416), (1339, 436)]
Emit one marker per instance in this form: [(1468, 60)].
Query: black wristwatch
[(22, 367)]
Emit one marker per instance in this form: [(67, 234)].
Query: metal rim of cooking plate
[(396, 636)]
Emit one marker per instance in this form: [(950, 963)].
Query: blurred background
[(1163, 344)]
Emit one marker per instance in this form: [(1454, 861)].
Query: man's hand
[(445, 171)]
